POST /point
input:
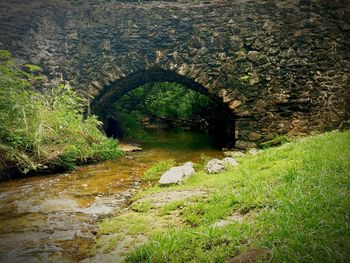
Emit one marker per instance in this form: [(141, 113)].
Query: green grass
[(191, 245), (294, 200), (130, 227), (141, 206), (157, 170), (170, 207)]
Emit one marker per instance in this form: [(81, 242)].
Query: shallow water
[(53, 218)]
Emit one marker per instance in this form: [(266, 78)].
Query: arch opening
[(165, 100)]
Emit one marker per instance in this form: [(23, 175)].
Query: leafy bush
[(46, 130)]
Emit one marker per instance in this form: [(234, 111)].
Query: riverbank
[(287, 204), (53, 218), (45, 126)]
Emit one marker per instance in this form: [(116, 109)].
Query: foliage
[(46, 130), (131, 123), (292, 200), (157, 170), (165, 101)]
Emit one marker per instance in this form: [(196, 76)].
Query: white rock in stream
[(177, 175)]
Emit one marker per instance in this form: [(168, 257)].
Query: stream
[(53, 218)]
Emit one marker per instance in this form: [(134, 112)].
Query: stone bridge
[(280, 67)]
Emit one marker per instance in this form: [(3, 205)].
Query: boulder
[(127, 148), (345, 125), (215, 166), (228, 161), (177, 174), (254, 136), (244, 145)]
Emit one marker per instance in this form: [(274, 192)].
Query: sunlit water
[(53, 218)]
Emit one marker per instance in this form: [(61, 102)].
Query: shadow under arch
[(113, 91)]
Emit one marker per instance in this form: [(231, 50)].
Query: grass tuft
[(142, 207), (157, 170)]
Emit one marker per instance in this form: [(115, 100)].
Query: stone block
[(177, 175)]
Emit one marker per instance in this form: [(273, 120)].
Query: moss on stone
[(32, 68), (244, 78), (4, 55), (278, 140)]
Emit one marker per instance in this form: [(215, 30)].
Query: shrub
[(46, 130)]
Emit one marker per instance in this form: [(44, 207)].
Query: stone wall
[(282, 67)]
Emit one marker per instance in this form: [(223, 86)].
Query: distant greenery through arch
[(165, 103)]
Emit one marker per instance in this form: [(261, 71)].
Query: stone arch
[(282, 66), (114, 90)]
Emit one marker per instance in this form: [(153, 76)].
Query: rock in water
[(230, 161), (177, 175), (215, 166), (127, 148)]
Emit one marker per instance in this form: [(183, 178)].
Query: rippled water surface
[(53, 218)]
